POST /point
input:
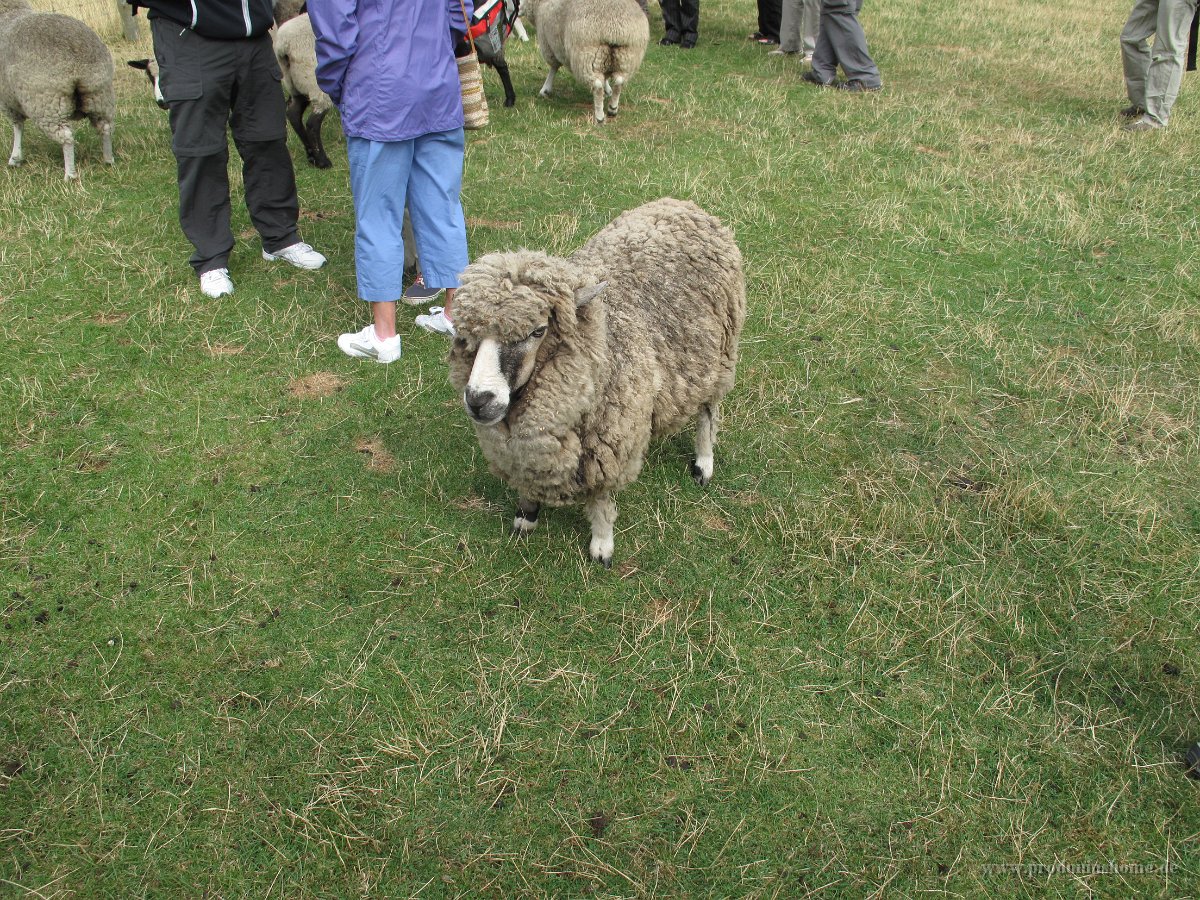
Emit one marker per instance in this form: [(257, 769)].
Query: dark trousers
[(770, 14), (841, 41), (211, 87), (681, 19)]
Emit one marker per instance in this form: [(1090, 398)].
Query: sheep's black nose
[(478, 402)]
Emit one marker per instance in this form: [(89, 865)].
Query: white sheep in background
[(54, 69), (568, 367), (602, 42), (296, 50)]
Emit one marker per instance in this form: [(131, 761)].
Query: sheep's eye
[(538, 332)]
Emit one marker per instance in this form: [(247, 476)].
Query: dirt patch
[(223, 349), (493, 223), (103, 318), (378, 458), (318, 384)]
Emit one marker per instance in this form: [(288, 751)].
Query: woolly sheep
[(54, 69), (568, 367), (296, 50), (286, 10), (602, 42)]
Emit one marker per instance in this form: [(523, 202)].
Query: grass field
[(936, 618)]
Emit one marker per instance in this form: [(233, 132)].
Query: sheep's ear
[(142, 64), (586, 295)]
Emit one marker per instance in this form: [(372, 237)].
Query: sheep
[(602, 42), (150, 67), (54, 69), (567, 367), (296, 50), (286, 10)]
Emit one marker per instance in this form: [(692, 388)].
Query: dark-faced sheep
[(53, 70), (568, 367)]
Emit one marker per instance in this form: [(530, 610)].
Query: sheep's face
[(150, 67), (499, 369)]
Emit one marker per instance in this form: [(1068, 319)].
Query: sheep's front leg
[(706, 438), (526, 518), (314, 146), (602, 513), (549, 85), (16, 156)]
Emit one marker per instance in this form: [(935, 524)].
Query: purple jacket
[(389, 65)]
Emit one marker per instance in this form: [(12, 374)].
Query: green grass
[(265, 633)]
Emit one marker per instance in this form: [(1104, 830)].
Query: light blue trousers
[(426, 173)]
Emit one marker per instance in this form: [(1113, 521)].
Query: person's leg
[(1135, 50), (689, 22), (435, 205), (671, 21), (789, 26), (848, 41), (196, 78), (379, 174), (810, 21), (769, 16), (1167, 57), (824, 61), (259, 128)]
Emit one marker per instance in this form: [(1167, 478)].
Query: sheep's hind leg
[(549, 83), (65, 136), (602, 513), (526, 519), (706, 438), (614, 98), (106, 150), (17, 156), (598, 86)]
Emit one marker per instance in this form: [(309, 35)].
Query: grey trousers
[(842, 42), (798, 28), (212, 87), (1153, 73)]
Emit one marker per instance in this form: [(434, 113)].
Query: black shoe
[(687, 43), (1132, 112), (668, 42), (857, 87), (813, 78)]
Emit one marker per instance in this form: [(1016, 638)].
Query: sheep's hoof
[(15, 161), (321, 162), (543, 93), (602, 552), (523, 527), (611, 113), (508, 102), (701, 477)]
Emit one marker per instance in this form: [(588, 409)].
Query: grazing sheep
[(296, 50), (54, 69), (602, 42), (286, 10), (150, 67), (568, 367)]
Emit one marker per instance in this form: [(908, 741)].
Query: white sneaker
[(300, 255), (436, 321), (216, 283), (365, 345)]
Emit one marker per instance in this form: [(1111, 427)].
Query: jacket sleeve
[(335, 26), (457, 24)]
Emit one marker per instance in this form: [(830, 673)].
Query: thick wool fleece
[(53, 69), (593, 38), (636, 362), (296, 50)]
